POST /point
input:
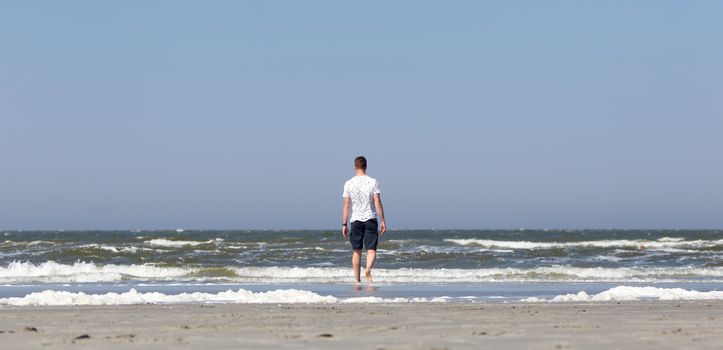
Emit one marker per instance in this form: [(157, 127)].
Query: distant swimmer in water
[(642, 247), (362, 196)]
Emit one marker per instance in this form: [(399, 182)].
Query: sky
[(472, 114)]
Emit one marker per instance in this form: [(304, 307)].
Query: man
[(362, 194)]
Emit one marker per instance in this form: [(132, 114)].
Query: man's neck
[(360, 173)]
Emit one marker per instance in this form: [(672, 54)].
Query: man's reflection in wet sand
[(369, 288)]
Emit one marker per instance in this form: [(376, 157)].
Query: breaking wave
[(163, 242), (85, 272), (665, 242), (52, 272)]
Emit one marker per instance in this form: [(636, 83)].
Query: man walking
[(362, 194)]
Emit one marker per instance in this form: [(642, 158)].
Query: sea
[(39, 268)]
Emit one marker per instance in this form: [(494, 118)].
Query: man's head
[(360, 163)]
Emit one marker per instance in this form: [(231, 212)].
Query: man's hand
[(345, 217), (380, 213)]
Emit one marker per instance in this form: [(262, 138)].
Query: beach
[(569, 325)]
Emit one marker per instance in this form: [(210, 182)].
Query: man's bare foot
[(368, 274)]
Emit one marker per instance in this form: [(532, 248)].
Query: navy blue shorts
[(364, 232)]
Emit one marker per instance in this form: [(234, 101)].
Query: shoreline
[(569, 325)]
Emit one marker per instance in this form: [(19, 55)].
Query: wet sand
[(630, 325)]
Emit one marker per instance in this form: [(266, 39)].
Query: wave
[(8, 243), (163, 242), (671, 239), (114, 249), (57, 298), (626, 293), (86, 272), (662, 243), (538, 274)]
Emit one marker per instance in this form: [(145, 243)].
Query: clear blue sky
[(473, 114)]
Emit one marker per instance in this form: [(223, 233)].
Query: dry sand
[(634, 325)]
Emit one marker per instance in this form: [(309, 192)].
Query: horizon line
[(179, 230)]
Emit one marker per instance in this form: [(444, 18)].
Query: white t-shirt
[(361, 190)]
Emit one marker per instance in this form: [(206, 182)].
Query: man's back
[(361, 195), (361, 189)]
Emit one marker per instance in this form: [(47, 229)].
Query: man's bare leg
[(356, 264), (371, 257)]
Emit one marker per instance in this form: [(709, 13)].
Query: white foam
[(52, 272), (665, 242), (671, 239), (114, 249), (163, 242), (626, 293), (109, 248), (552, 273), (608, 258), (56, 298), (24, 243)]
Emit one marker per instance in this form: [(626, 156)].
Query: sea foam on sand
[(626, 293), (242, 296)]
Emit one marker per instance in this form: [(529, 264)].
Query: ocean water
[(129, 267)]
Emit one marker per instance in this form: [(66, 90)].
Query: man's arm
[(380, 212), (345, 216)]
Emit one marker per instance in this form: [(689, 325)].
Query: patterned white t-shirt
[(361, 190)]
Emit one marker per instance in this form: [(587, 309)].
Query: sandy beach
[(627, 325)]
